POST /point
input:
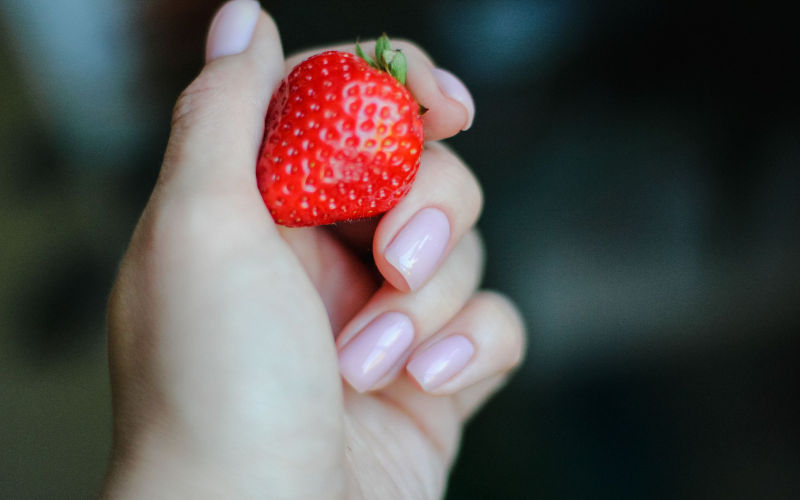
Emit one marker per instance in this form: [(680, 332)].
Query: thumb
[(218, 121)]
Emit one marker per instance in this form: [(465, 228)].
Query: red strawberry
[(343, 139)]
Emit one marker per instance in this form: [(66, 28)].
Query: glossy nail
[(438, 363), (455, 89), (232, 29), (419, 246), (375, 349)]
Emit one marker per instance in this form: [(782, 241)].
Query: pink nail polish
[(438, 363), (232, 29), (455, 89), (419, 246), (375, 349)]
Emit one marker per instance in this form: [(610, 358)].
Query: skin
[(223, 327)]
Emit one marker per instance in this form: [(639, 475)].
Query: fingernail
[(419, 246), (375, 349), (438, 363), (232, 29), (455, 89)]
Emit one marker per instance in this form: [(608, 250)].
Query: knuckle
[(476, 192), (198, 96), (475, 241), (453, 285), (470, 192), (464, 186), (466, 268), (507, 324), (192, 221)]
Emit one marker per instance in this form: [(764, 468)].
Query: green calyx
[(386, 59)]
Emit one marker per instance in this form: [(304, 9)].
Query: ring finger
[(374, 346)]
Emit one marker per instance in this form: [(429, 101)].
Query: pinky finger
[(484, 340)]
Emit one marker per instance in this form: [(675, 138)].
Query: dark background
[(641, 164)]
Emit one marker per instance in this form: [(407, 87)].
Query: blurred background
[(641, 163)]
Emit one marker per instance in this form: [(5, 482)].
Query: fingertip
[(242, 27), (449, 104), (455, 89), (438, 363), (418, 248), (370, 355), (232, 29)]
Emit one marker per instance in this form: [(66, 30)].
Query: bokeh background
[(641, 163)]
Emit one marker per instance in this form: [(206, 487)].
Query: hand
[(224, 329)]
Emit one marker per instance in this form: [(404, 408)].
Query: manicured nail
[(232, 29), (455, 89), (438, 363), (419, 246), (375, 349)]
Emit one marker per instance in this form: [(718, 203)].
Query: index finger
[(449, 103)]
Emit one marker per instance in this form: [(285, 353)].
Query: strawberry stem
[(381, 45), (386, 59), (360, 53)]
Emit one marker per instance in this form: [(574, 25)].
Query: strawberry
[(343, 139)]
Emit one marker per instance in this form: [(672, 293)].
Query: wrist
[(165, 465)]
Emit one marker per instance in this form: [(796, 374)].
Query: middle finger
[(414, 238)]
